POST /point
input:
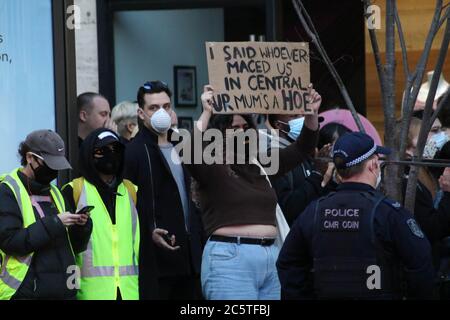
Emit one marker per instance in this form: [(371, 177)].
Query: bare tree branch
[(413, 85), (377, 55), (445, 16), (445, 100), (312, 33), (390, 139), (402, 43), (427, 116)]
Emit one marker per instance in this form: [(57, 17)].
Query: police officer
[(355, 243)]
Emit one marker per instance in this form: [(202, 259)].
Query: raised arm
[(306, 143), (203, 121), (200, 171)]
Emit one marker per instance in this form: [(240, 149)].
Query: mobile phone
[(86, 210), (168, 239)]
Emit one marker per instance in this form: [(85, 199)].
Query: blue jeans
[(240, 272)]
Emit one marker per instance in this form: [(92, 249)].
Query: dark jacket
[(297, 188), (159, 206), (435, 223), (394, 227), (47, 276)]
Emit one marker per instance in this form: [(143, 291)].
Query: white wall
[(148, 44), (86, 47)]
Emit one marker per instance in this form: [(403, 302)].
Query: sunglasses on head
[(154, 85)]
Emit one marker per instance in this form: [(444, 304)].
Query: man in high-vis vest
[(38, 238), (109, 266)]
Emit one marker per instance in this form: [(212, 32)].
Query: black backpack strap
[(376, 199)]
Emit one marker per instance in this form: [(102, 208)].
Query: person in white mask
[(166, 213), (436, 140)]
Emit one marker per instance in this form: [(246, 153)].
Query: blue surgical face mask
[(434, 144), (440, 139), (295, 127)]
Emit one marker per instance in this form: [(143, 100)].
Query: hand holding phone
[(163, 240), (83, 215), (86, 210), (167, 238)]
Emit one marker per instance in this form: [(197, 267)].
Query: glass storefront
[(27, 88)]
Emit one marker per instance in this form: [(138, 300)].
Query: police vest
[(346, 252), (14, 269), (111, 259)]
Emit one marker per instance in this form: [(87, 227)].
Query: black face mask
[(43, 174), (110, 163)]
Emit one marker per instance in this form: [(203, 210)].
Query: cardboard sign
[(259, 77)]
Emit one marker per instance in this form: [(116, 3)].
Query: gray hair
[(124, 113)]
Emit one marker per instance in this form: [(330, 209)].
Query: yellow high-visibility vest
[(111, 259), (14, 269)]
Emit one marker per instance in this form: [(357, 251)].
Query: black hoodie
[(88, 171)]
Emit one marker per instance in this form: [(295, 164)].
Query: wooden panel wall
[(416, 16)]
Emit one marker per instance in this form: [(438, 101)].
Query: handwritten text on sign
[(259, 77)]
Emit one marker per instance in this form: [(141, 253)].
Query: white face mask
[(378, 181), (161, 121), (378, 177)]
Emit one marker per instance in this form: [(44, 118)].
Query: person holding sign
[(238, 207)]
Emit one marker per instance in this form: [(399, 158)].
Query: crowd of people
[(142, 221)]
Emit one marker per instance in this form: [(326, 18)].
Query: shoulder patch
[(392, 203), (415, 229)]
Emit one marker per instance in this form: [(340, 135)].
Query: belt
[(240, 240)]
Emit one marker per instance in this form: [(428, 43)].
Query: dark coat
[(159, 206), (435, 223), (399, 238), (296, 189), (47, 276)]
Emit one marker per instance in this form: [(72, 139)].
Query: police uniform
[(355, 243)]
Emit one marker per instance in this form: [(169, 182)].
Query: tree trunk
[(392, 172), (410, 195)]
